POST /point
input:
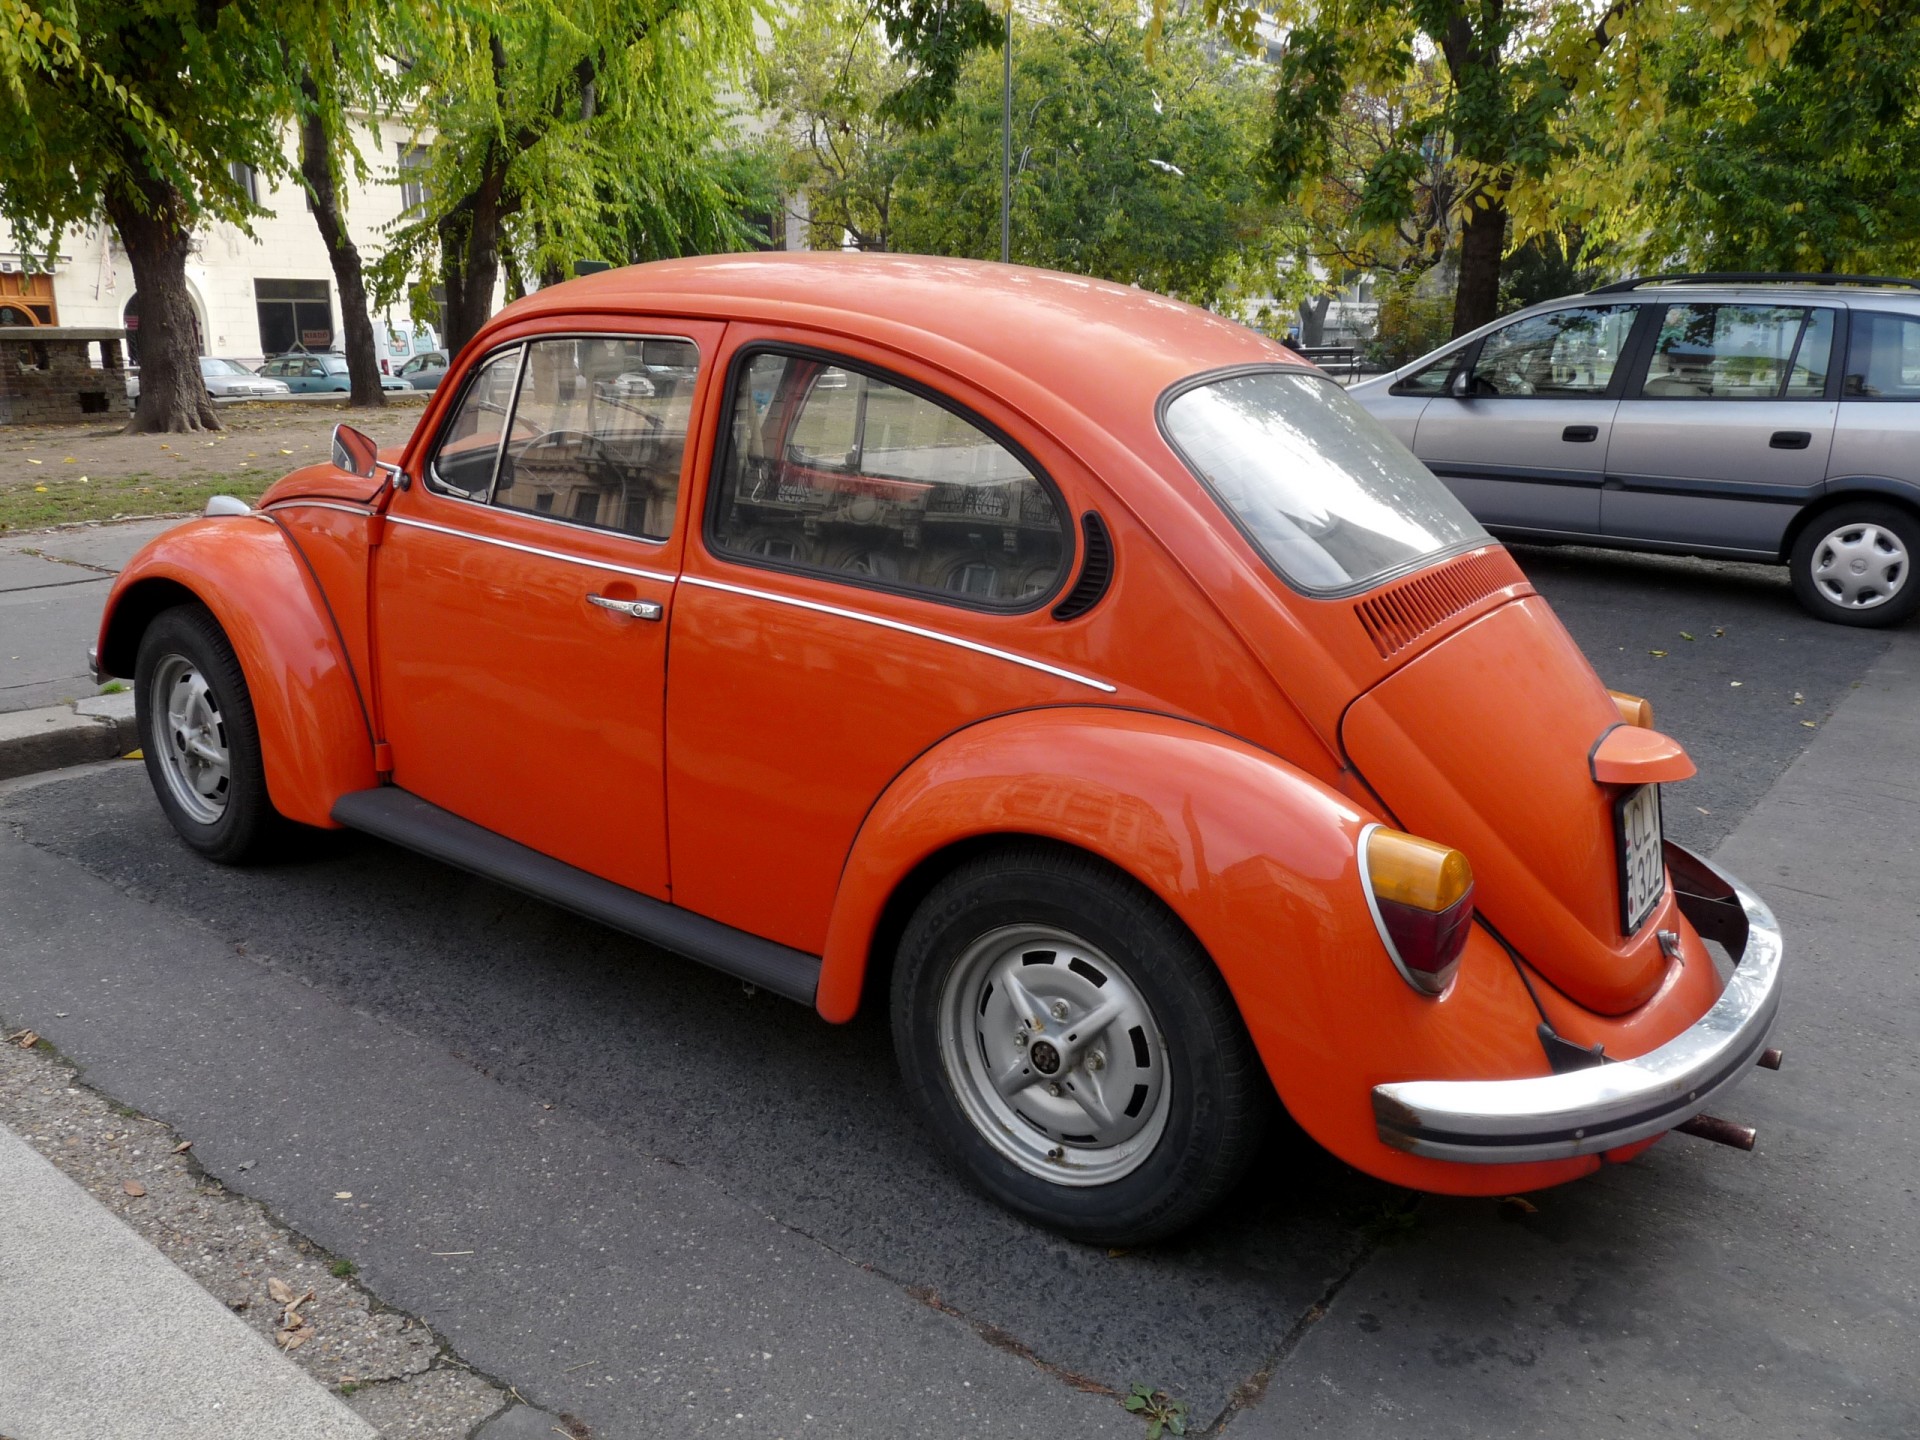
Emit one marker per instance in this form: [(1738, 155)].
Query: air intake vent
[(1399, 615), (1096, 573)]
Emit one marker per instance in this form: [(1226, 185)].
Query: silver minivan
[(1747, 417)]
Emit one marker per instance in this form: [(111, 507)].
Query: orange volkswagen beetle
[(1077, 674)]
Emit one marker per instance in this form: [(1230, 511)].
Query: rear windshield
[(1329, 498)]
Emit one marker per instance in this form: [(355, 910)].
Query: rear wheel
[(1074, 1048), (198, 734), (1853, 564)]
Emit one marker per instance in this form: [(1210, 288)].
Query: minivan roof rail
[(1753, 277)]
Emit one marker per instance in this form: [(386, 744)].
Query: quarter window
[(1564, 354), (828, 468), (1430, 379), (464, 461), (1883, 357), (599, 432), (1740, 352)]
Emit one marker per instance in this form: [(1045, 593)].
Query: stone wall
[(47, 375)]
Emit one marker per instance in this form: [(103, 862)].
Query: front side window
[(1740, 352), (1564, 354), (599, 432), (1431, 378), (463, 462), (829, 468), (1326, 495), (1883, 357)]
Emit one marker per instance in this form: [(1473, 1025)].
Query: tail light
[(1421, 896), (1633, 710)]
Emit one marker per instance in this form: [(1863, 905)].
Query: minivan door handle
[(1791, 439), (1580, 433)]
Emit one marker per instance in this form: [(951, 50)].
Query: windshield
[(210, 366), (1327, 496)]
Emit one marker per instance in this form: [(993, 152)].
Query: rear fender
[(315, 736), (1259, 860)]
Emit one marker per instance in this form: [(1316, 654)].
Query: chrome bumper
[(1556, 1117), (93, 665)]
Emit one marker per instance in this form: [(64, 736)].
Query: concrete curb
[(62, 735)]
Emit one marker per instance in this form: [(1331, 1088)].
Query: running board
[(406, 819)]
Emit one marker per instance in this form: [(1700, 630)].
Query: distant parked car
[(307, 374), (425, 371), (1751, 417), (229, 378)]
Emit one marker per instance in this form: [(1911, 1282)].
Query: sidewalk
[(101, 1337)]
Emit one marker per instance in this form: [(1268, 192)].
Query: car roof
[(1091, 342)]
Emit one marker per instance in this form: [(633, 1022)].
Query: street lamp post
[(1006, 142)]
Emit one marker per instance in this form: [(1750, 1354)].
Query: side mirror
[(354, 452), (1461, 386)]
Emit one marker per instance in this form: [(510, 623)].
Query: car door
[(875, 572), (1521, 433), (1728, 432), (524, 590), (1877, 435)]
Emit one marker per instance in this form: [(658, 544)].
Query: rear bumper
[(1585, 1112)]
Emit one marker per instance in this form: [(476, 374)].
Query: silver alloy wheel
[(1859, 566), (1053, 1054), (190, 738)]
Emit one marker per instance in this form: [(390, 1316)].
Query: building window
[(294, 315), (246, 179), (413, 180)]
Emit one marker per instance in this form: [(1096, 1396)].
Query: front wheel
[(1074, 1048), (198, 734), (1853, 564)]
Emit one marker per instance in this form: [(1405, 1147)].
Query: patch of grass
[(347, 1387), (342, 1269), (34, 504), (114, 687), (1164, 1416)]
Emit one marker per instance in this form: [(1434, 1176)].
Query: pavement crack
[(66, 560)]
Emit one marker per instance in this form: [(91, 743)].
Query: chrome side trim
[(606, 565), (902, 627), (1583, 1112), (297, 504)]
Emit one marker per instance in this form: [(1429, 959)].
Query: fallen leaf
[(1809, 724), (343, 1194), (1514, 1206), (183, 1147), (294, 1319), (39, 489), (1718, 631), (1117, 1253), (69, 461), (36, 462), (133, 1188), (1685, 636), (1798, 698), (1703, 810), (279, 1291), (27, 1039), (134, 755), (294, 1339), (1658, 654), (286, 452), (1736, 684)]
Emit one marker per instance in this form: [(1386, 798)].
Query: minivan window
[(1326, 495), (1560, 355), (1740, 352), (829, 468), (1883, 357)]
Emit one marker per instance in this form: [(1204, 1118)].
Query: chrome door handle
[(638, 609)]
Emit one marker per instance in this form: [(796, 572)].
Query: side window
[(599, 431), (1430, 379), (1740, 352), (463, 461), (1883, 358), (828, 468), (1564, 354)]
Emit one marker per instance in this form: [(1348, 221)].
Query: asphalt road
[(663, 1180)]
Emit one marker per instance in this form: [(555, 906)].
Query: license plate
[(1643, 873)]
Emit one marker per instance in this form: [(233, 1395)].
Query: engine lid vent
[(1400, 614), (1096, 572)]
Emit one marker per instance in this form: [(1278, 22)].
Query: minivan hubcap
[(1860, 566), (1053, 1054), (190, 739)]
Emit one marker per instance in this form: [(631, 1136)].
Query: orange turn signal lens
[(1633, 710), (1407, 870)]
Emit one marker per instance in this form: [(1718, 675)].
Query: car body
[(230, 380), (1744, 417), (424, 371), (319, 373), (1051, 662)]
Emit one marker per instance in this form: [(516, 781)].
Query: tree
[(1133, 170), (1812, 164), (561, 136), (138, 110)]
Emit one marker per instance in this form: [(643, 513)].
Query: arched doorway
[(130, 317), (16, 314)]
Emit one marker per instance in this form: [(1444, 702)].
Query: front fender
[(315, 738), (1261, 862)]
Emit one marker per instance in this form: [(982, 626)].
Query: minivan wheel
[(199, 739), (1074, 1048), (1853, 564)]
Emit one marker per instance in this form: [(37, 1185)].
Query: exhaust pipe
[(1721, 1132)]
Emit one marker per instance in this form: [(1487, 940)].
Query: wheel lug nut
[(1053, 1087), (1020, 1038), (1058, 1009), (1096, 1061)]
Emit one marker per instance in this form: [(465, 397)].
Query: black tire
[(247, 826), (1219, 1100), (1816, 595)]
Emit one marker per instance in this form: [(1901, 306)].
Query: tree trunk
[(1483, 240), (470, 256), (154, 227), (323, 198), (1313, 319)]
